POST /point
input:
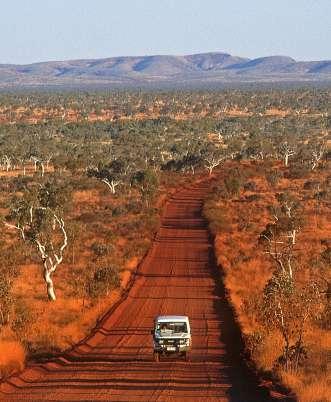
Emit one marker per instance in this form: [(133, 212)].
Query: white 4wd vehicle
[(171, 335)]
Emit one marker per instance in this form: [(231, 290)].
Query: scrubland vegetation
[(179, 105), (80, 201), (278, 284)]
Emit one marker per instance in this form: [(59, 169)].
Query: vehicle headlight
[(160, 341), (183, 341)]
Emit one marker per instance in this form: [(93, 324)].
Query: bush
[(119, 210), (273, 177), (250, 186), (232, 185), (252, 197), (100, 249), (103, 281)]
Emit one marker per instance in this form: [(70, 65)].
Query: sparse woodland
[(83, 178)]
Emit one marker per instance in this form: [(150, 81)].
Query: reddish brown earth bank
[(178, 276)]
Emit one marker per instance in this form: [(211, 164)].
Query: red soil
[(178, 276)]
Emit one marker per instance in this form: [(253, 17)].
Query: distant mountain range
[(191, 70)]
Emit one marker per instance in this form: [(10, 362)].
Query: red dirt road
[(115, 363)]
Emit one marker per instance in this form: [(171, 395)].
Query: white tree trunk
[(49, 283), (286, 159)]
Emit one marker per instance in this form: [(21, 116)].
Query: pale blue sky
[(40, 30)]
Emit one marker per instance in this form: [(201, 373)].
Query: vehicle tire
[(156, 357)]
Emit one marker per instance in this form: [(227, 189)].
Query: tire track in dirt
[(178, 276)]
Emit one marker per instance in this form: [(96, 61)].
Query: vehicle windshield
[(171, 327)]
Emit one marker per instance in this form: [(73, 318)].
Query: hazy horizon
[(39, 31)]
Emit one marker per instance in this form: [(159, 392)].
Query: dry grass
[(309, 388), (12, 357), (247, 270)]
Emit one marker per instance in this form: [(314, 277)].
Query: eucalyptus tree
[(110, 174), (287, 307), (280, 237), (38, 217), (286, 150), (288, 303), (317, 152), (213, 157), (147, 183)]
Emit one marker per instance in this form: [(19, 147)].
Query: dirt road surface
[(178, 276)]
